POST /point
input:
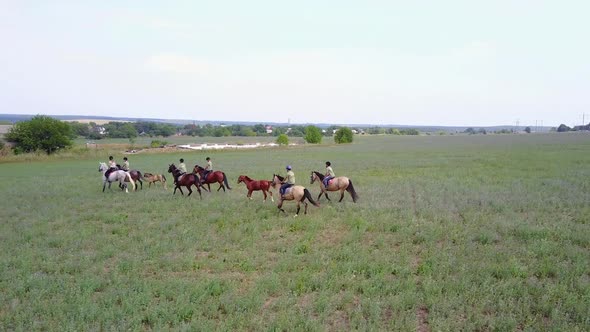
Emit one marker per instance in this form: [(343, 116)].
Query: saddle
[(327, 181)]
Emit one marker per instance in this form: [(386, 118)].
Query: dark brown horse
[(256, 185), (212, 177), (135, 175), (184, 180), (339, 183), (296, 193)]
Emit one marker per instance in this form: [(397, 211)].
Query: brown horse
[(135, 175), (256, 185), (153, 178), (184, 180), (297, 193), (212, 177), (339, 183)]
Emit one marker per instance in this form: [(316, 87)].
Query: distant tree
[(296, 131), (528, 130), (469, 131), (376, 131), (410, 132), (482, 131), (393, 131), (283, 139), (41, 133), (563, 128), (259, 129), (313, 135), (343, 135), (221, 132), (80, 129)]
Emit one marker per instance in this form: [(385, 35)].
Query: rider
[(288, 181), (125, 166), (329, 174), (181, 168), (208, 169), (112, 166)]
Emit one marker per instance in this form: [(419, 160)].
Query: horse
[(212, 177), (297, 193), (339, 183), (153, 178), (117, 175), (184, 180), (135, 175), (256, 185)]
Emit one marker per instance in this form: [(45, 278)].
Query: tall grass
[(456, 233)]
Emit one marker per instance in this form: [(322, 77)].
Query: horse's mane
[(145, 175), (279, 177), (246, 177), (318, 174)]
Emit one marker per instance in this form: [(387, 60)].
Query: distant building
[(268, 129)]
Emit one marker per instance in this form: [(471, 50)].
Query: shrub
[(313, 135), (343, 135), (283, 139), (40, 133)]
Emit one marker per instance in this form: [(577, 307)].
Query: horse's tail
[(351, 190), (225, 181), (130, 180), (163, 178), (307, 195)]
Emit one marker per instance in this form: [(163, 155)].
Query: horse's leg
[(141, 183), (305, 211), (249, 194), (280, 206), (271, 198), (341, 195), (104, 184), (190, 191), (326, 194), (264, 193), (320, 195), (299, 208)]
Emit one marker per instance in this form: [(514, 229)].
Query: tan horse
[(296, 193), (153, 178), (339, 183)]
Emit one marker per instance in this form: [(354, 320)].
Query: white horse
[(115, 176)]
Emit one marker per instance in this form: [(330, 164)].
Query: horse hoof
[(295, 216)]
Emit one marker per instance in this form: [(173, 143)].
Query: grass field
[(450, 233)]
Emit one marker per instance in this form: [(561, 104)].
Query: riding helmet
[(328, 163), (288, 167)]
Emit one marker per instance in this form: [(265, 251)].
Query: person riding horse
[(208, 169), (125, 166), (288, 181), (112, 166), (329, 173), (181, 168)]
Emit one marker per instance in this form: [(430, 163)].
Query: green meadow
[(482, 232)]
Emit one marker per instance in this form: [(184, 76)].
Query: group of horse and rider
[(200, 176)]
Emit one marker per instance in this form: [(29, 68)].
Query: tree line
[(44, 133)]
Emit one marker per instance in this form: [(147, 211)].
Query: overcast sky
[(454, 62)]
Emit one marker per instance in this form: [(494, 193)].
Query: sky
[(453, 62)]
